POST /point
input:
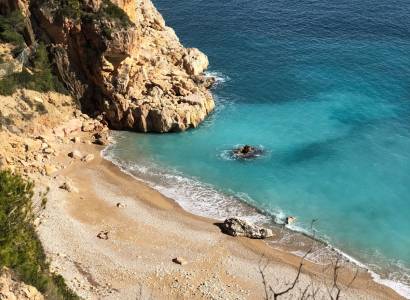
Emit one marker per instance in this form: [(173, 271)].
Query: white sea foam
[(205, 200), (219, 77)]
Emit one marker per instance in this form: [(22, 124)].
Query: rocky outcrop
[(130, 68), (240, 227), (11, 289)]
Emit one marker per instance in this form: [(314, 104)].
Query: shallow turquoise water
[(324, 87)]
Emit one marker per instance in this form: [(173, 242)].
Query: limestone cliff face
[(135, 72)]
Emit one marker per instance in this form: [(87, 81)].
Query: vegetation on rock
[(11, 28), (20, 248), (40, 79), (108, 11)]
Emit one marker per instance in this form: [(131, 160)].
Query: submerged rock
[(247, 152), (240, 227)]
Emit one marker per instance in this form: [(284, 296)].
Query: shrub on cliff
[(42, 78), (20, 248), (108, 11), (11, 28)]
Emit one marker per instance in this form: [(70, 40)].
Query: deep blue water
[(324, 87)]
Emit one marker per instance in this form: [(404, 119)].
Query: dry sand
[(149, 231)]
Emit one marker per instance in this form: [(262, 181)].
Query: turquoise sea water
[(324, 87)]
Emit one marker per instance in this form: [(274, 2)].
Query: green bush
[(11, 28), (108, 11), (41, 80), (20, 248), (71, 9), (113, 12)]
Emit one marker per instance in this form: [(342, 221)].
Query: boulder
[(194, 61), (69, 127), (247, 152), (69, 187), (290, 220), (76, 139), (87, 158), (240, 227), (88, 126), (103, 235), (179, 260), (100, 139), (75, 154), (50, 169)]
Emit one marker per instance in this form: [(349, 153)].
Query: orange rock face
[(136, 73)]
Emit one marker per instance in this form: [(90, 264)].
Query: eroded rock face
[(11, 289), (138, 75), (240, 227)]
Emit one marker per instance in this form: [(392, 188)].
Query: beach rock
[(103, 235), (179, 260), (88, 158), (50, 169), (69, 187), (12, 289), (75, 154), (240, 227), (120, 205), (88, 127), (290, 220), (76, 139), (100, 139), (68, 128), (48, 150)]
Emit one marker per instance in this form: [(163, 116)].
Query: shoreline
[(326, 250), (149, 232)]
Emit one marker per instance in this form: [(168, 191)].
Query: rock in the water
[(240, 227), (75, 154), (290, 220), (179, 260), (247, 152)]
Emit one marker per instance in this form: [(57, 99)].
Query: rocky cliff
[(120, 60), (11, 289)]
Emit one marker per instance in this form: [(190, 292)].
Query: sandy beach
[(113, 237)]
